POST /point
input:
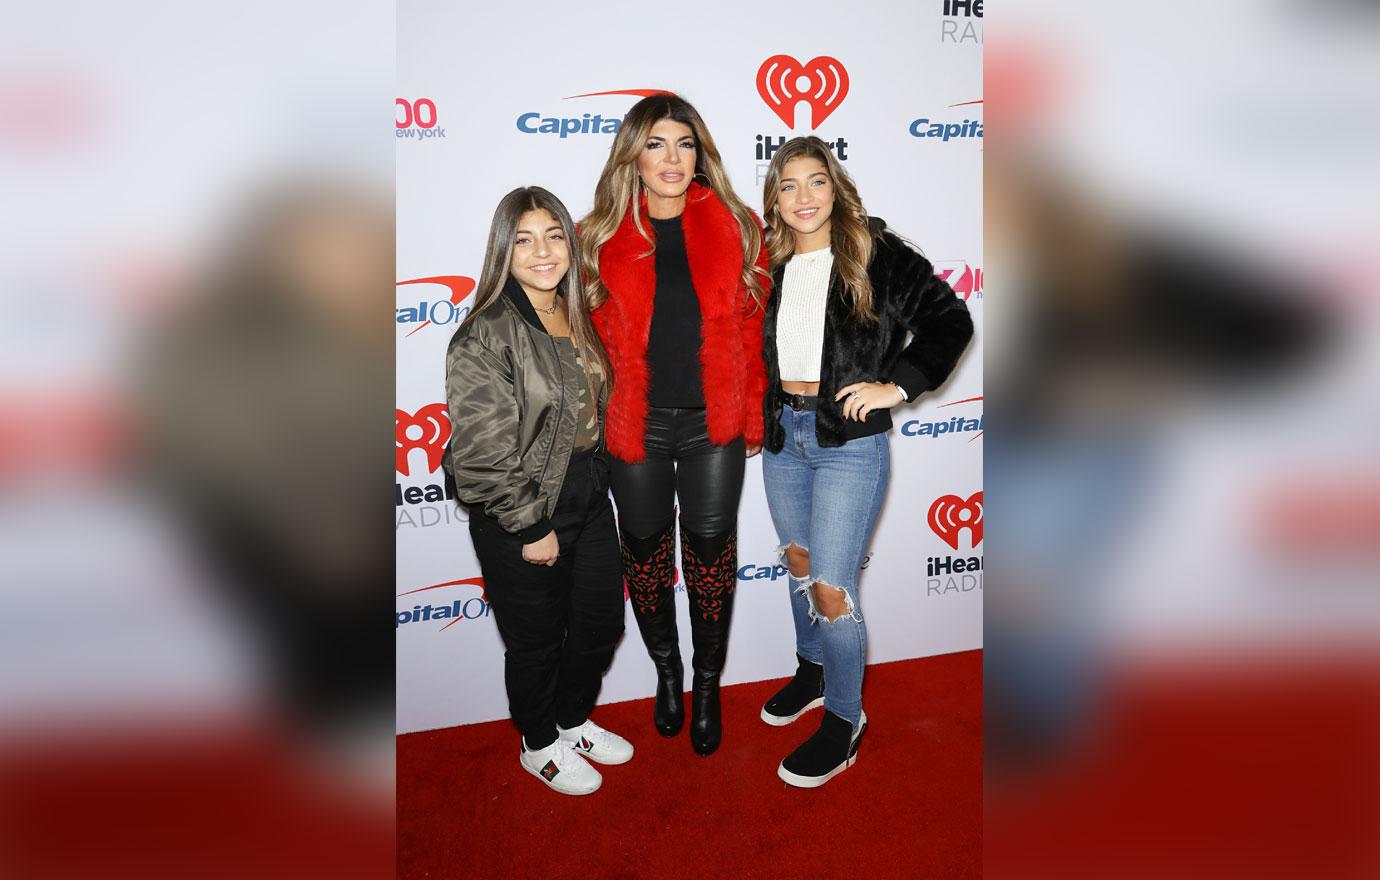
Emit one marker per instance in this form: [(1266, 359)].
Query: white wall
[(483, 70)]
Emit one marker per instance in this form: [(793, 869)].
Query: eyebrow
[(556, 228), (797, 179)]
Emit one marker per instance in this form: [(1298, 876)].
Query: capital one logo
[(966, 280), (563, 126), (442, 311), (949, 515), (427, 429), (473, 608), (784, 82)]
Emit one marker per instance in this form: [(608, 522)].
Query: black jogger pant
[(559, 623)]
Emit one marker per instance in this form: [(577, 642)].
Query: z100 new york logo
[(416, 119), (950, 517), (784, 84), (965, 279)]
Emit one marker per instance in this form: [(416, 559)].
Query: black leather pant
[(709, 480), (680, 462)]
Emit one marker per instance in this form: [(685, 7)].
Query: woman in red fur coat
[(678, 284)]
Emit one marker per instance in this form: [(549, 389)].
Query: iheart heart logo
[(950, 515), (427, 429), (784, 82)]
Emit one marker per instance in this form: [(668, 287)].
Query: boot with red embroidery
[(649, 572), (710, 566)]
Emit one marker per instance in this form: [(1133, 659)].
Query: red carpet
[(1249, 765), (910, 807), (228, 798)]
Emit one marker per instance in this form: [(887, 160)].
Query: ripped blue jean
[(826, 500)]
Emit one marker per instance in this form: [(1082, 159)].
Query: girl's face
[(541, 255), (667, 161), (805, 197)]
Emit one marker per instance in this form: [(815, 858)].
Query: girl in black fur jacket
[(837, 359)]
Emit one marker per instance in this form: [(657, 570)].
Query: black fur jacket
[(909, 299)]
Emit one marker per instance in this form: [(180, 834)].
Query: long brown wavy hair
[(849, 235), (619, 185), (498, 258)]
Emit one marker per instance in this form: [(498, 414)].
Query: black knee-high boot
[(710, 565), (649, 571)]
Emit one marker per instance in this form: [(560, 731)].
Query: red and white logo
[(428, 429), (416, 118), (784, 82), (420, 112), (966, 280), (950, 515)]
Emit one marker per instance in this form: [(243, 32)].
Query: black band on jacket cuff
[(910, 379), (535, 532)]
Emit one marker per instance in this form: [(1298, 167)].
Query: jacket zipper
[(560, 411)]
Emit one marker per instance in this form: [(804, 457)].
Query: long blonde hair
[(498, 258), (618, 191), (849, 236)]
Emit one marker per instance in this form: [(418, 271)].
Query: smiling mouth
[(542, 267), (672, 176), (807, 213)]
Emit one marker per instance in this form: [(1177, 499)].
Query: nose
[(542, 248), (673, 155)]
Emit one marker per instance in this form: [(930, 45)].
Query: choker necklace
[(550, 311)]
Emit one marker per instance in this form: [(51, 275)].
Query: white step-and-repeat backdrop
[(490, 99)]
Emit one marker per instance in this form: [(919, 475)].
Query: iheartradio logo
[(949, 515), (783, 82), (427, 429)]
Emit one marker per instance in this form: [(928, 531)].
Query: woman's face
[(667, 161), (805, 197), (541, 255)]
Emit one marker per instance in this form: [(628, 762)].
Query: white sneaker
[(560, 768), (596, 743)]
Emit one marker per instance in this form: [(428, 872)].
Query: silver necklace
[(550, 311)]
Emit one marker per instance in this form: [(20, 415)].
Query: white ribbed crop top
[(800, 320)]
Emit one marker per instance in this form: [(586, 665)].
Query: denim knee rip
[(806, 585), (850, 610)]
